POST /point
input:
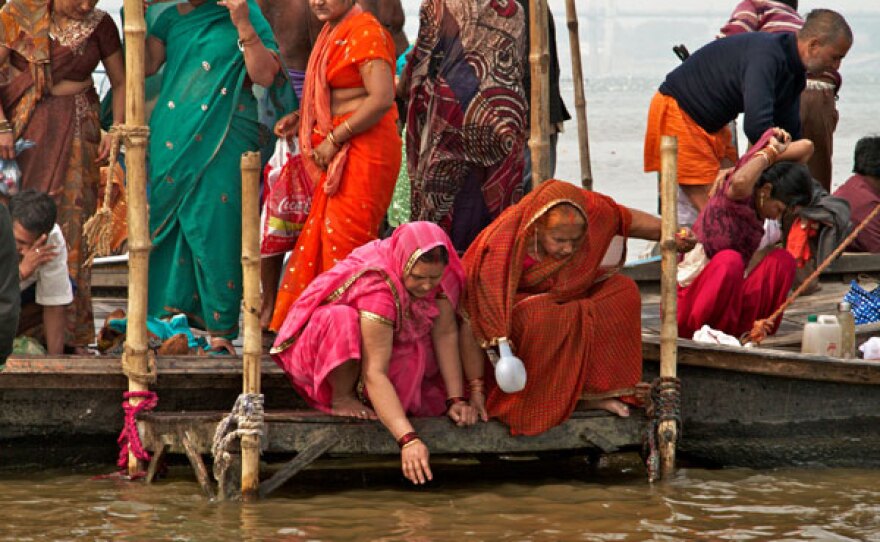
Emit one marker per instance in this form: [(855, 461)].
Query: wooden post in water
[(580, 100), (539, 60), (668, 430), (250, 263), (135, 356)]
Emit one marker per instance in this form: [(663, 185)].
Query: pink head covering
[(393, 258)]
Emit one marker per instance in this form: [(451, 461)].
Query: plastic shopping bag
[(287, 201)]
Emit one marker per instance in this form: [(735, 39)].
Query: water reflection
[(521, 503)]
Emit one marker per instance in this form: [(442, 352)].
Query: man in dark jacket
[(10, 297)]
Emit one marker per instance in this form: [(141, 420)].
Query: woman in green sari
[(214, 52)]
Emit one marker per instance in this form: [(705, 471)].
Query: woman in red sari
[(349, 140), (543, 275), (738, 284), (48, 51)]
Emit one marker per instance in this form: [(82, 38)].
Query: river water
[(548, 501), (614, 504)]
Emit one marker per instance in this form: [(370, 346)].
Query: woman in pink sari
[(383, 317)]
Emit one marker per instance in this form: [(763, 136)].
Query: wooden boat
[(66, 410), (848, 266), (761, 407)]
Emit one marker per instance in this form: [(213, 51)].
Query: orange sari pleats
[(588, 345)]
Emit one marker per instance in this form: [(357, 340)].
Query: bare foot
[(614, 406), (222, 346), (350, 406)]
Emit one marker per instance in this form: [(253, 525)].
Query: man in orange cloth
[(759, 74), (544, 276)]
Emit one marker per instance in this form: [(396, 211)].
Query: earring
[(761, 200)]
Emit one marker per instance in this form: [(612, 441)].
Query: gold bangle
[(332, 139), (410, 443), (5, 125), (348, 127)]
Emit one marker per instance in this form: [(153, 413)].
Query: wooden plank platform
[(291, 431)]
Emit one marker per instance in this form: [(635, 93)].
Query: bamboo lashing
[(135, 356), (667, 431), (539, 61), (580, 99), (252, 349), (97, 230), (761, 328)]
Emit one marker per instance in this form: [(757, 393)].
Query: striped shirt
[(771, 16), (763, 16)]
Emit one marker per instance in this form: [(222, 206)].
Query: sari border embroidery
[(540, 212), (412, 261), (75, 34), (368, 315)]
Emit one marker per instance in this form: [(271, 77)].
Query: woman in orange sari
[(350, 146), (543, 275)]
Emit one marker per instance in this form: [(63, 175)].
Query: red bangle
[(407, 438), (453, 400)]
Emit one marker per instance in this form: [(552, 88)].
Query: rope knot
[(247, 417), (665, 406), (129, 439)]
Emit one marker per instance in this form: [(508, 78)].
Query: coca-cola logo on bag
[(293, 204)]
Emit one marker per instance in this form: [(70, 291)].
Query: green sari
[(203, 121)]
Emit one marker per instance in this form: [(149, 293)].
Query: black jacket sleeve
[(10, 297)]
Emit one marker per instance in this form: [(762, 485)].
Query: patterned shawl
[(467, 105), (24, 28)]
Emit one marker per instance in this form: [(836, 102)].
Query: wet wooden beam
[(765, 361), (319, 443), (292, 431)]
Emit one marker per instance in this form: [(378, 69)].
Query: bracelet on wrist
[(333, 140), (242, 43), (454, 400), (348, 127), (410, 443), (407, 438), (476, 385)]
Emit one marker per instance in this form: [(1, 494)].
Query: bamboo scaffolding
[(250, 263), (539, 60), (135, 360), (580, 100), (668, 430)]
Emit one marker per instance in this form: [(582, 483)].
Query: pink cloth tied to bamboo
[(322, 329)]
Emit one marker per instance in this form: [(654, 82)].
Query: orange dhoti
[(699, 152)]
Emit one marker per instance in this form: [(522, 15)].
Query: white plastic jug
[(821, 335)]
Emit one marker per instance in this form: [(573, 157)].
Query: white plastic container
[(821, 335)]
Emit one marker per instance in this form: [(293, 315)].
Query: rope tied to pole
[(247, 417), (761, 328), (129, 439), (665, 406), (145, 379)]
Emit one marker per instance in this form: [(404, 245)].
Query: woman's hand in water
[(414, 462)]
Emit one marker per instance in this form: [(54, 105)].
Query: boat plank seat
[(310, 434)]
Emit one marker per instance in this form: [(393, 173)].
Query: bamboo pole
[(580, 100), (539, 60), (135, 361), (250, 263), (668, 430)]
